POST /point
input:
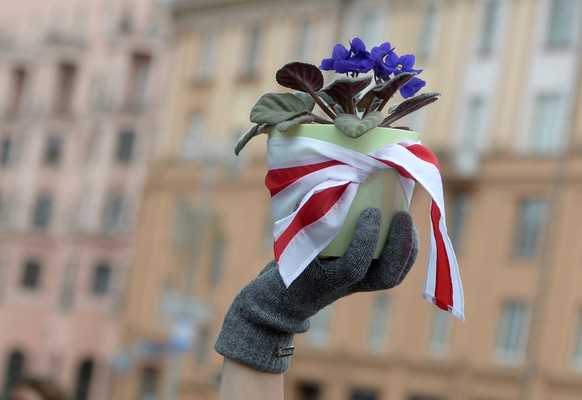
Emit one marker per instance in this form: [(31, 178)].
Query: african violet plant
[(345, 101)]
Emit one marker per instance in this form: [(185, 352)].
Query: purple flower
[(382, 59), (398, 65), (405, 63), (378, 55), (387, 62), (342, 60)]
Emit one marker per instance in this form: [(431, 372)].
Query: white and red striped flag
[(313, 184)]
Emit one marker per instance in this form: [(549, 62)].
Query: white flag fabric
[(313, 184)]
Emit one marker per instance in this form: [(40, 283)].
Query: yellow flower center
[(399, 66)]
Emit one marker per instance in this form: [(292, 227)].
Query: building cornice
[(185, 8)]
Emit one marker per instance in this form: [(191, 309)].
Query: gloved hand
[(259, 326)]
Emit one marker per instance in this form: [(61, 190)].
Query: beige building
[(77, 85), (508, 132)]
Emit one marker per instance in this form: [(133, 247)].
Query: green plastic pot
[(381, 190)]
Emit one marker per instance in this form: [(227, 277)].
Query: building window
[(252, 55), (547, 131), (203, 346), (577, 358), (19, 78), (379, 322), (113, 212), (181, 224), (512, 334), (309, 391), (364, 394), (101, 279), (31, 274), (474, 124), (428, 35), (68, 288), (369, 26), (3, 212), (530, 223), (218, 258), (440, 333), (468, 154), (64, 89), (148, 387), (125, 23), (562, 23), (15, 367), (84, 377), (138, 81), (207, 58), (304, 39), (125, 147), (460, 212), (191, 149), (491, 14), (7, 152), (317, 335), (53, 150), (43, 208)]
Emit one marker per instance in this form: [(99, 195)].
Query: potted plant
[(326, 168)]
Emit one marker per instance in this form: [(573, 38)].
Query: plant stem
[(367, 109), (319, 120), (383, 104), (351, 106), (320, 103)]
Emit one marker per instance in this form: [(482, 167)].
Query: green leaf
[(354, 127), (244, 139), (274, 108), (302, 119), (343, 91), (410, 106), (300, 76), (307, 99), (327, 98)]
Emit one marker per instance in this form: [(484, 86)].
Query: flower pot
[(382, 189)]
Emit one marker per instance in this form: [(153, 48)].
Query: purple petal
[(391, 59), (340, 52), (387, 47), (412, 87), (344, 66), (357, 45), (327, 64), (407, 61)]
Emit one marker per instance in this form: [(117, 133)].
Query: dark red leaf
[(300, 76)]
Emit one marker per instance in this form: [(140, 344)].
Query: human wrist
[(259, 346)]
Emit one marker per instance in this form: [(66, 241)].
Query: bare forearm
[(240, 382)]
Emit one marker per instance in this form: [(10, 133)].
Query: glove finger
[(412, 257), (355, 262), (396, 254), (271, 265), (395, 261)]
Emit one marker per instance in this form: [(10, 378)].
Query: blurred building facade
[(77, 85), (508, 132)]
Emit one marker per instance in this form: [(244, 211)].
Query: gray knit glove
[(258, 328)]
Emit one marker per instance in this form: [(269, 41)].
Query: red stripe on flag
[(424, 154), (279, 179), (444, 284), (313, 209), (400, 169)]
